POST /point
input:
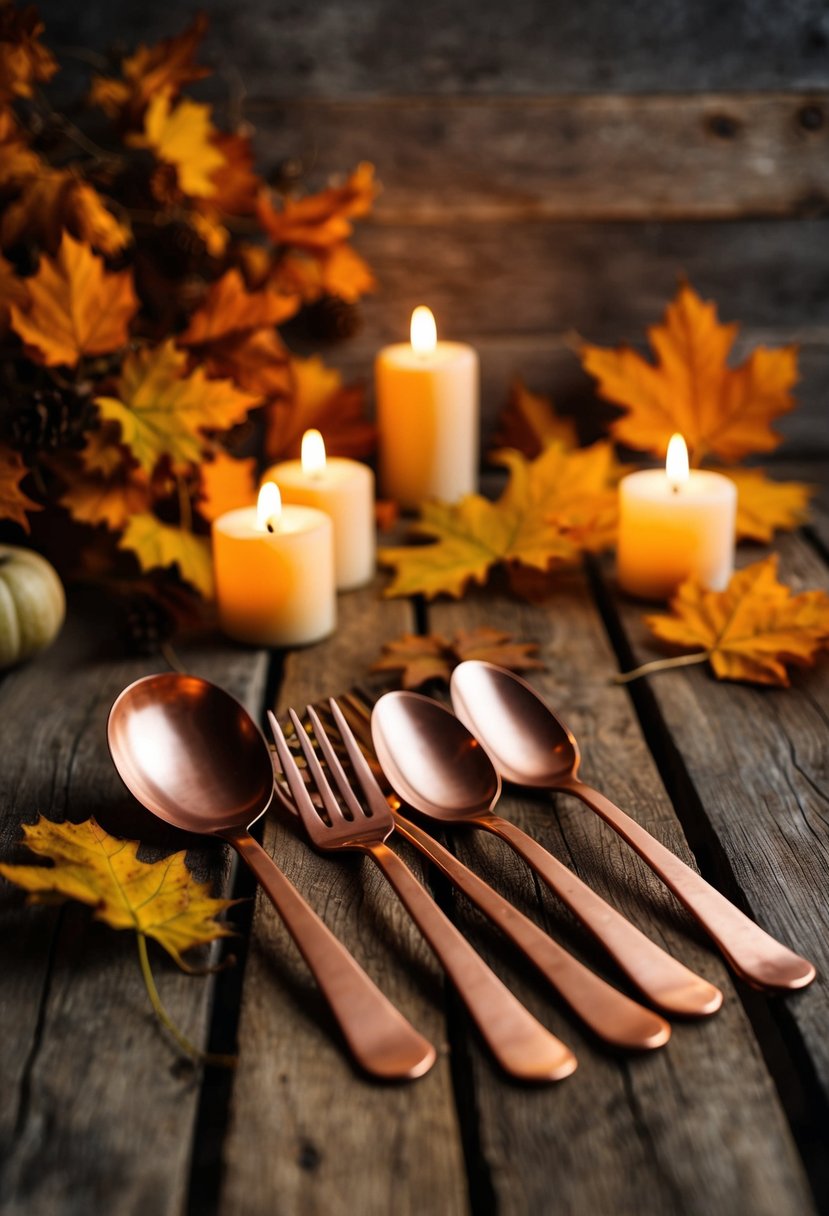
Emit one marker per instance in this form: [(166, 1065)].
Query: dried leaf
[(229, 308), (17, 160), (542, 520), (345, 274), (420, 659), (765, 506), (76, 307), (320, 400), (158, 545), (160, 69), (159, 899), (182, 136), (107, 500), (226, 483), (235, 183), (258, 362), (163, 411), (753, 629), (56, 200), (320, 220), (103, 452), (24, 61), (13, 502), (720, 410), (529, 423)]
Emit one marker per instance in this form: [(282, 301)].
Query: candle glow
[(313, 454), (424, 335), (676, 462), (268, 508)]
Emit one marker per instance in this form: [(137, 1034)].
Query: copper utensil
[(522, 1046), (530, 746), (610, 1014), (194, 757), (439, 768)]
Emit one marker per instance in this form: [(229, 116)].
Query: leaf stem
[(680, 660), (196, 1053)]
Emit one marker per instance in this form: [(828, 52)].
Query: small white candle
[(274, 569), (674, 524), (344, 489), (427, 416)]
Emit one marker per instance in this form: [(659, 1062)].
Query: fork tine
[(362, 771), (317, 775), (334, 765), (290, 770)]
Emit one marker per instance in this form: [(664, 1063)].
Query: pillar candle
[(344, 489), (675, 524), (274, 569), (427, 416)]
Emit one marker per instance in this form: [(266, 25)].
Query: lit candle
[(344, 489), (674, 524), (274, 569), (427, 416)]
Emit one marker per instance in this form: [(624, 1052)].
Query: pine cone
[(331, 319), (177, 249), (147, 625), (48, 420)]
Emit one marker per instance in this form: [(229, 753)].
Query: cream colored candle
[(344, 489), (274, 569), (427, 416), (674, 524)]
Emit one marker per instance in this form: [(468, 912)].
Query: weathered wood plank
[(338, 1141), (696, 1128), (79, 1041), (608, 157)]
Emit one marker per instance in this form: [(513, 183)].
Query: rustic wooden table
[(98, 1115)]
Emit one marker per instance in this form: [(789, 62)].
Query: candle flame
[(269, 508), (313, 454), (424, 331), (676, 462)]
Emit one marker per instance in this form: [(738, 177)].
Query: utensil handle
[(755, 956), (522, 1046), (610, 1014), (381, 1039), (663, 979)]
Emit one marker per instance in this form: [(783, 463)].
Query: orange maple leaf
[(107, 500), (152, 70), (345, 274), (181, 136), (56, 200), (420, 659), (258, 362), (235, 183), (226, 483), (691, 389), (13, 502), (529, 423), (229, 308), (24, 61), (320, 220), (750, 631), (320, 400), (765, 505), (76, 307)]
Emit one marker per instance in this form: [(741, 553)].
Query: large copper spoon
[(193, 756), (530, 746), (436, 766)]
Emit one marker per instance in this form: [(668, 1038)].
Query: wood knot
[(723, 126), (309, 1156), (810, 117)]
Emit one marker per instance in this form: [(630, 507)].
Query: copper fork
[(521, 1045)]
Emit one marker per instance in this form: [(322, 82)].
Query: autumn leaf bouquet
[(146, 271)]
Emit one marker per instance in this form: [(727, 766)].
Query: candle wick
[(675, 487), (270, 526)]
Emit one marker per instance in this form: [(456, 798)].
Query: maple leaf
[(13, 290), (319, 400), (235, 183), (107, 500), (102, 451), (13, 502), (160, 69), (258, 362), (229, 308), (163, 411), (159, 899), (691, 389), (750, 631), (529, 423), (158, 545), (76, 307), (24, 61), (542, 520), (181, 136), (345, 274), (764, 505), (320, 220), (55, 200), (420, 659), (17, 160), (226, 483)]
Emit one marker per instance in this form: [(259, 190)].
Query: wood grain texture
[(97, 1112), (340, 1143), (696, 1128)]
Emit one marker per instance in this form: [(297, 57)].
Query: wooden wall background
[(549, 167)]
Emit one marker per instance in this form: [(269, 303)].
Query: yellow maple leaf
[(164, 411), (765, 506), (180, 136), (533, 524), (151, 70), (691, 389), (159, 899), (24, 61), (320, 400), (419, 659), (158, 545), (13, 502), (529, 423), (320, 220), (76, 307), (226, 483), (751, 630), (229, 308)]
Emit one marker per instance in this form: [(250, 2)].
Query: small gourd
[(32, 604)]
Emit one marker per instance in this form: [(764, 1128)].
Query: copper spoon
[(530, 746), (194, 757), (436, 766)]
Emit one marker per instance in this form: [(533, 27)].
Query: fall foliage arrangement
[(145, 272)]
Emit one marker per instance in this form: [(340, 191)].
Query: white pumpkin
[(32, 604)]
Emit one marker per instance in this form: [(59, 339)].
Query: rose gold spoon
[(194, 757), (435, 765), (530, 746)]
